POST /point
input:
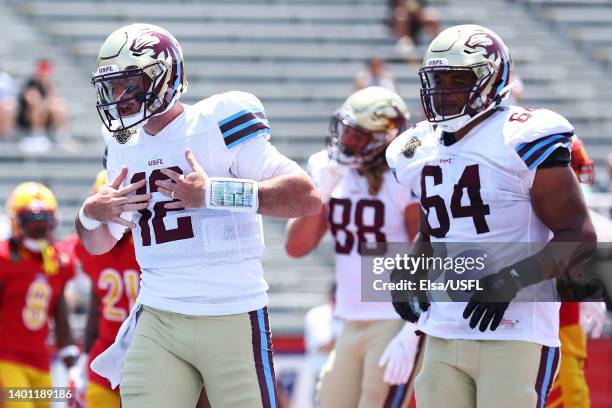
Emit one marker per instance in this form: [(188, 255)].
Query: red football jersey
[(28, 297), (115, 277)]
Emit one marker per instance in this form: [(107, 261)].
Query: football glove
[(398, 357), (488, 305), (592, 317), (409, 304)]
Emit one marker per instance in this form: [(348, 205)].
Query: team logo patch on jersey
[(410, 147), (124, 135)]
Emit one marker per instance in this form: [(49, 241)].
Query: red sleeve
[(4, 256), (67, 265)]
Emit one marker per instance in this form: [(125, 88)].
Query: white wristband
[(232, 194), (69, 351), (86, 222)]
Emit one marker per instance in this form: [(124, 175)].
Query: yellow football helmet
[(100, 181), (32, 209)]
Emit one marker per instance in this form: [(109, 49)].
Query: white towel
[(109, 364)]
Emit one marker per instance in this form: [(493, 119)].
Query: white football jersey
[(200, 261), (355, 216), (478, 190)]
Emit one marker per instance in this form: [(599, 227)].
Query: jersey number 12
[(183, 229)]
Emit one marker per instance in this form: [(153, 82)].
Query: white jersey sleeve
[(257, 159), (245, 129), (535, 133), (409, 152), (240, 117), (316, 163)]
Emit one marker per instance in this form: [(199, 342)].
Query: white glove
[(330, 176), (77, 379), (592, 316), (399, 354), (77, 374)]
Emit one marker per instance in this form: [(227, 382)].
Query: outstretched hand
[(110, 201)]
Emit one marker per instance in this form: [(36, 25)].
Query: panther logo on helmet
[(484, 41)]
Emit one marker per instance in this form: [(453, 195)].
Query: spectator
[(8, 105), (376, 74), (42, 110), (409, 17)]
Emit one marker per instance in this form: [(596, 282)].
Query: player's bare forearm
[(305, 233), (93, 318), (412, 220), (288, 196), (97, 241), (63, 335), (558, 202)]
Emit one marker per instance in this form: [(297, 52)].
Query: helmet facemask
[(354, 146), (452, 96), (36, 225), (127, 99)]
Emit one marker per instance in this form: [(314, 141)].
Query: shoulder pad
[(240, 117), (409, 152), (535, 134)]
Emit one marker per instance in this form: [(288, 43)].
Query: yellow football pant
[(97, 396), (23, 376)]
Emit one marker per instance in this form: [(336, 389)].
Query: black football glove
[(488, 305), (409, 304)]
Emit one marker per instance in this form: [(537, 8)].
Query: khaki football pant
[(172, 356), (351, 376), (485, 373)]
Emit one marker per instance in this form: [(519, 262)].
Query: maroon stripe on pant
[(396, 396), (270, 350), (553, 371), (541, 374), (394, 389), (420, 351), (259, 367)]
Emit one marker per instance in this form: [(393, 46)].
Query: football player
[(115, 278), (374, 355), (192, 182), (576, 320), (489, 173), (33, 274)]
